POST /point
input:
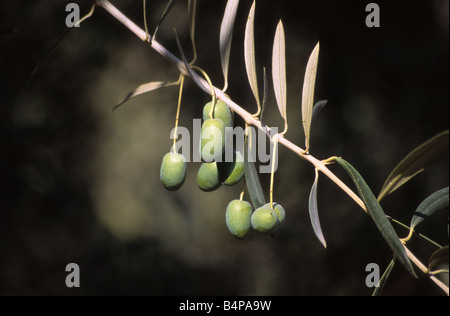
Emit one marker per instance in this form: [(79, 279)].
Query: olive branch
[(413, 163)]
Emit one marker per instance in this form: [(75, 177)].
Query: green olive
[(264, 219), (232, 172), (208, 177), (173, 171), (212, 143), (221, 111), (238, 218)]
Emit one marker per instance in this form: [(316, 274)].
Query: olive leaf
[(144, 9), (378, 216), (435, 202), (252, 179), (382, 282), (264, 102), (314, 211), (318, 107), (144, 88), (309, 84), (414, 163), (166, 11), (192, 8), (279, 69), (249, 53), (439, 257), (226, 35)]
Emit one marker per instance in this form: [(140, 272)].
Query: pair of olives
[(239, 218), (267, 219), (212, 173)]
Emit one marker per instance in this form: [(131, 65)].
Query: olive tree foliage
[(363, 196)]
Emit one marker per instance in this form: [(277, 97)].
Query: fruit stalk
[(177, 118)]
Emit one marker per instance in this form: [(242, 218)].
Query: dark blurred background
[(80, 184)]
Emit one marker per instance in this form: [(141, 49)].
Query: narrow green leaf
[(252, 179), (192, 11), (265, 97), (439, 257), (192, 7), (435, 202), (144, 88), (380, 286), (226, 35), (378, 216), (249, 53), (279, 69), (144, 9), (414, 163), (309, 85), (318, 107), (166, 11), (314, 211)]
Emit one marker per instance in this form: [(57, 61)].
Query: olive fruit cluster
[(239, 218), (213, 173)]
